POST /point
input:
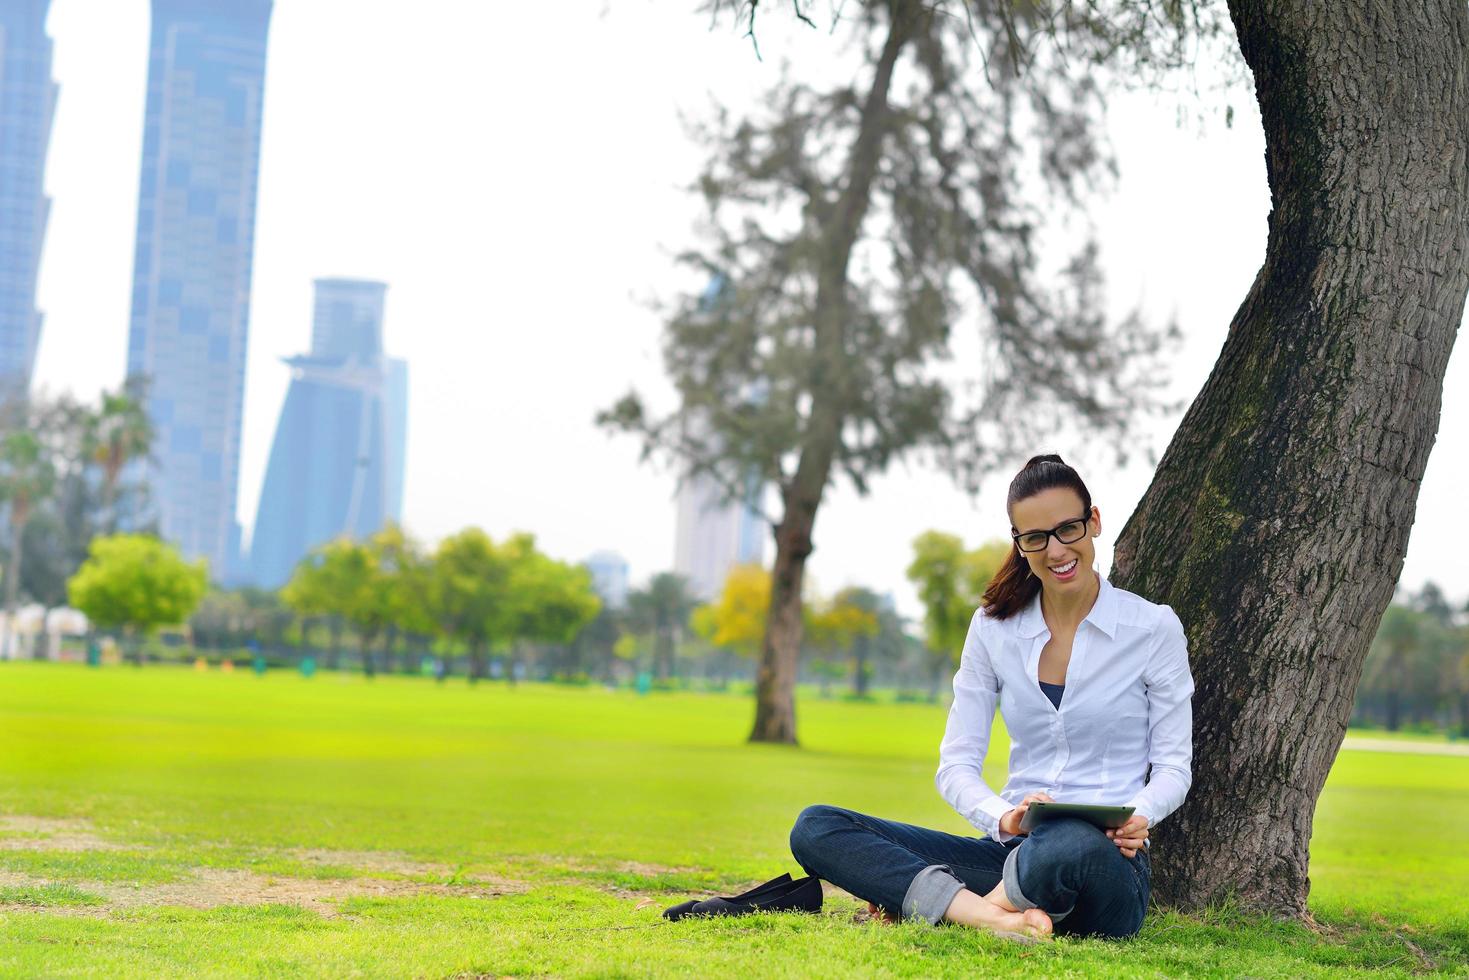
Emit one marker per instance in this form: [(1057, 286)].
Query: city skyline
[(393, 177), (27, 109), (193, 261), (336, 463)]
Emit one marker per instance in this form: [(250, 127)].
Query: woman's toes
[(1037, 921)]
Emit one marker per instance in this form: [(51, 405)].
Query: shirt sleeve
[(1170, 688), (967, 738)]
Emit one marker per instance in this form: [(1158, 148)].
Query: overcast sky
[(514, 172)]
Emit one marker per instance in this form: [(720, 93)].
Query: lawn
[(163, 821)]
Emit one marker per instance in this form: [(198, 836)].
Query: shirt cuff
[(991, 811)]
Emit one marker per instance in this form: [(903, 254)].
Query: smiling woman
[(1094, 685)]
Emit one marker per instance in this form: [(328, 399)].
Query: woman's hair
[(1014, 586)]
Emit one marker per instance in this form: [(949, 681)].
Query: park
[(832, 303)]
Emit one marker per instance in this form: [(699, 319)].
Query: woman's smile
[(1065, 572)]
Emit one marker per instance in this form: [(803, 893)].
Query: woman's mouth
[(1066, 572)]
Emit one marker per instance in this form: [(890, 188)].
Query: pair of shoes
[(776, 895)]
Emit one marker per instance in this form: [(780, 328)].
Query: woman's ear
[(1097, 520)]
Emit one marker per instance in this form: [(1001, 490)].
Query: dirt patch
[(50, 834), (383, 862), (213, 887)]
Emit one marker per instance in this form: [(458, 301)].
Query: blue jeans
[(1067, 867)]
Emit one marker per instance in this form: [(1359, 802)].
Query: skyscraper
[(27, 105), (192, 265), (713, 535), (609, 577), (336, 465)]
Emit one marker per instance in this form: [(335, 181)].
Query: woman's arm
[(1170, 723), (967, 738)]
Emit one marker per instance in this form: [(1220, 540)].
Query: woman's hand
[(1131, 835), (1010, 822)]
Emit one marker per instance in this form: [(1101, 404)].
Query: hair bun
[(1047, 458)]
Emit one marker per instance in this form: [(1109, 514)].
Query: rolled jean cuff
[(1011, 879), (929, 895)]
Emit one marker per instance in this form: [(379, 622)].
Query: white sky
[(514, 172)]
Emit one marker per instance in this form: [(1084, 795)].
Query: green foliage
[(950, 582), (736, 619), (1417, 669), (137, 582)]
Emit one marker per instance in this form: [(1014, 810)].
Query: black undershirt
[(1053, 691)]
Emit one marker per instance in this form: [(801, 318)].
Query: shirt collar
[(1031, 622)]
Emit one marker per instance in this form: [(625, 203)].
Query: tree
[(662, 609), (844, 624), (1277, 521), (950, 581), (407, 574), (119, 433), (325, 583), (136, 583), (851, 228), (735, 620), (551, 601), (27, 478), (469, 593)]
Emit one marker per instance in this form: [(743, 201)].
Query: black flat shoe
[(803, 895), (774, 885)]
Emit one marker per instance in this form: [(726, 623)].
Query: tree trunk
[(1277, 521), (859, 681), (476, 661), (369, 668), (775, 681), (18, 516), (334, 655)]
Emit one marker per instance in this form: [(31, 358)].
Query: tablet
[(1101, 817)]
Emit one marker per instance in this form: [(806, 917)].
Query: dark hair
[(1013, 586)]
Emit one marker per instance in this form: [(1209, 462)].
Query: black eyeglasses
[(1068, 533)]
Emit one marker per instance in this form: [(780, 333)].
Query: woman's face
[(1061, 567)]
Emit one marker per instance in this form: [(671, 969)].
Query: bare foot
[(875, 914), (970, 909)]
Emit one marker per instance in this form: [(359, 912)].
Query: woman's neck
[(1065, 612)]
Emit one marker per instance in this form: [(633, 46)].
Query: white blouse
[(1126, 709)]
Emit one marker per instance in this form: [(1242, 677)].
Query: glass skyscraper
[(191, 278), (336, 465), (27, 105)]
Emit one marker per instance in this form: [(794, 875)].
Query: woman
[(1094, 685)]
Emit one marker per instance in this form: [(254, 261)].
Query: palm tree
[(663, 608), (27, 478), (119, 433)]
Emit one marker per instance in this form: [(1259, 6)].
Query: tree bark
[(775, 680), (1277, 521)]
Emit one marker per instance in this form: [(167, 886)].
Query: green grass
[(399, 827)]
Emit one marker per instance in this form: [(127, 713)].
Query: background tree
[(851, 228), (324, 584), (551, 601), (735, 620), (950, 581), (119, 433), (839, 627), (407, 574), (662, 609), (469, 593), (27, 478), (136, 583)]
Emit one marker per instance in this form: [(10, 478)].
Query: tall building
[(27, 105), (192, 265), (336, 465), (609, 577), (713, 535)]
